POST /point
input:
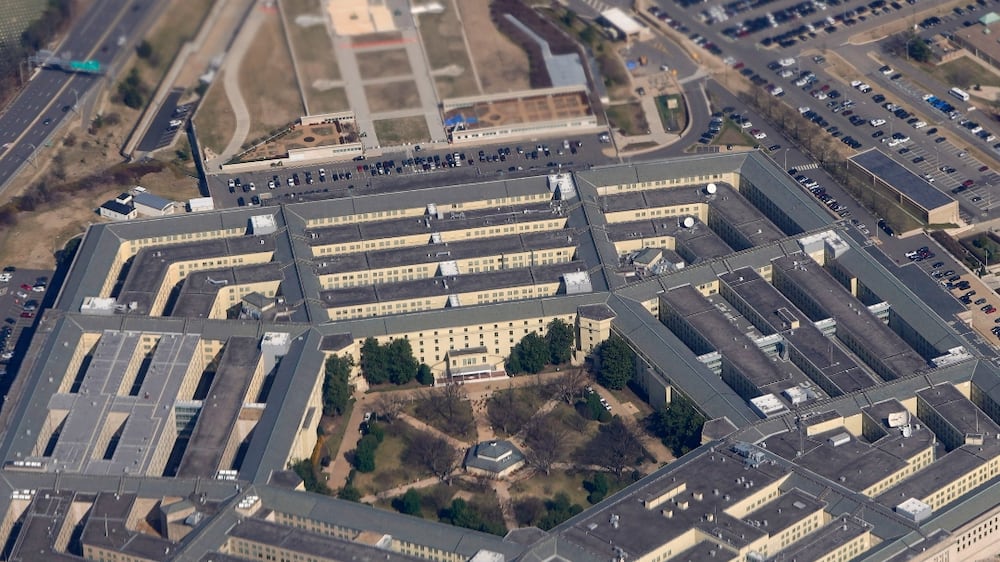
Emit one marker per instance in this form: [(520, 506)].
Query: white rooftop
[(622, 21)]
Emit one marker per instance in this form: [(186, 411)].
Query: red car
[(26, 287), (968, 183), (983, 168), (27, 315)]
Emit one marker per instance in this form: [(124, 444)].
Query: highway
[(52, 95)]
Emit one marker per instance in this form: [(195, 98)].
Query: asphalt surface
[(160, 133), (362, 182), (50, 94)]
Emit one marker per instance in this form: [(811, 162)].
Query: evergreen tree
[(560, 340), (617, 363)]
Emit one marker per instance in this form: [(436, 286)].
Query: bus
[(960, 94)]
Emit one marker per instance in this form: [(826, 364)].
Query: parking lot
[(407, 170), (21, 294)]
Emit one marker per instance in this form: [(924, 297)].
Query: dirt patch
[(327, 100), (215, 119), (501, 64), (176, 26), (402, 131), (444, 44), (392, 95), (383, 63), (267, 80), (629, 118), (312, 46)]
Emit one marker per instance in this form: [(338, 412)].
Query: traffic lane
[(363, 182), (82, 38)]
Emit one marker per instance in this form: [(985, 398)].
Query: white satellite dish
[(711, 188), (688, 222)]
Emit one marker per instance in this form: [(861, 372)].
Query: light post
[(31, 156), (76, 99)]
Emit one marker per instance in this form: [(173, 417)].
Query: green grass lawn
[(390, 470), (546, 486), (674, 120)]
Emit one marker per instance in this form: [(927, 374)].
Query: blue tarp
[(455, 120)]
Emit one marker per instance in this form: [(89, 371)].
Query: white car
[(919, 125), (776, 91), (5, 277), (746, 125), (804, 109), (758, 134), (785, 73), (877, 122), (786, 62), (856, 83), (38, 289)]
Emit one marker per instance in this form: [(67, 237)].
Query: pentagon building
[(181, 371)]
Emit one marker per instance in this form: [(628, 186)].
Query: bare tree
[(569, 385), (389, 405), (434, 453), (615, 447), (545, 437), (507, 411)]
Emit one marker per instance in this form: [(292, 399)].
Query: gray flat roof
[(822, 541), (839, 368), (148, 267), (453, 220), (220, 409), (450, 285), (451, 251), (715, 329), (107, 527), (902, 179), (813, 283), (640, 530), (694, 244), (35, 540), (294, 539), (939, 474), (961, 413), (201, 288), (856, 464)]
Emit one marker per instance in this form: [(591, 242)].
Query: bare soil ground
[(383, 63), (392, 95), (177, 25), (215, 119), (328, 100), (215, 44), (445, 48), (401, 131), (310, 41), (268, 81), (501, 64)]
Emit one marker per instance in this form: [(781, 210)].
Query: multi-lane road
[(101, 33)]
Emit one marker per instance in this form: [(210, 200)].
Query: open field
[(326, 101), (310, 41), (392, 95), (40, 232), (177, 25), (674, 119), (545, 486), (628, 117), (268, 82), (965, 72), (445, 47), (390, 470), (215, 119), (401, 131), (502, 66), (384, 63)]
